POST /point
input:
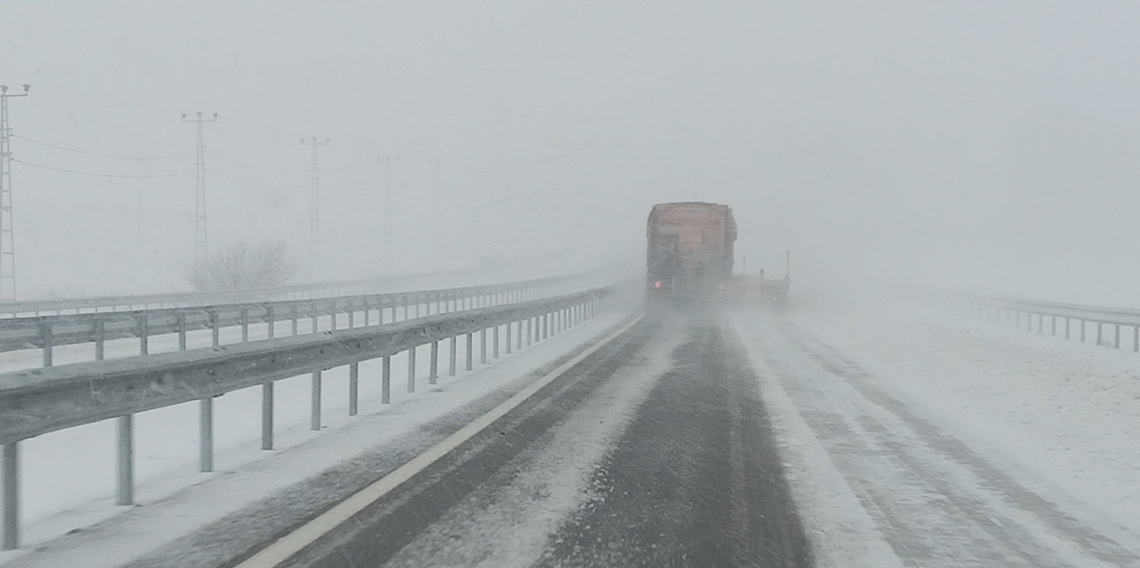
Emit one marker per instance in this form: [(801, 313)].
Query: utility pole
[(7, 234), (201, 252), (314, 208), (435, 207), (386, 248), (477, 214)]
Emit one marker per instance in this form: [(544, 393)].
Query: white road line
[(285, 547)]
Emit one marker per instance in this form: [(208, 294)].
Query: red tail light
[(656, 284)]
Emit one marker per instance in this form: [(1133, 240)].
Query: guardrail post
[(270, 320), (367, 312), (315, 400), (333, 315), (126, 465), (1082, 329), (433, 374), (1136, 338), (351, 314), (267, 416), (508, 338), (495, 342), (1054, 332), (10, 480), (483, 346), (295, 319), (519, 332), (313, 316), (206, 434), (452, 348), (181, 331), (1067, 320), (529, 331), (412, 370), (470, 349), (214, 327), (546, 325), (46, 340), (1099, 332), (1117, 336), (353, 387), (100, 340), (386, 380), (245, 325), (143, 335)]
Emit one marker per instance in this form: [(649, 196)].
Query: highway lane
[(654, 451)]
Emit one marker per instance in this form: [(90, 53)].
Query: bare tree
[(242, 266)]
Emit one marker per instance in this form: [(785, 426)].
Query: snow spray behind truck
[(690, 249)]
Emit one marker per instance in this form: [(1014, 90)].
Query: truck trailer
[(690, 249)]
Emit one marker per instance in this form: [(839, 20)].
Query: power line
[(97, 174), (86, 153), (261, 183), (253, 167)]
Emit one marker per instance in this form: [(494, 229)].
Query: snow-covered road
[(907, 439), (918, 442)]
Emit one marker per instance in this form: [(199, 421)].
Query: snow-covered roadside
[(934, 497), (1065, 415), (181, 500)]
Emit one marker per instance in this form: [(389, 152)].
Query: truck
[(690, 249)]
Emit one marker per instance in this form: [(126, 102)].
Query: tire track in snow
[(934, 499)]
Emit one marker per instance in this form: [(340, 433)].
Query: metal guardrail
[(186, 299), (47, 332), (39, 401), (1017, 312)]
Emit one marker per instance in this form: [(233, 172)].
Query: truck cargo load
[(690, 248)]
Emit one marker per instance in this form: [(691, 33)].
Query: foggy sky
[(970, 144)]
